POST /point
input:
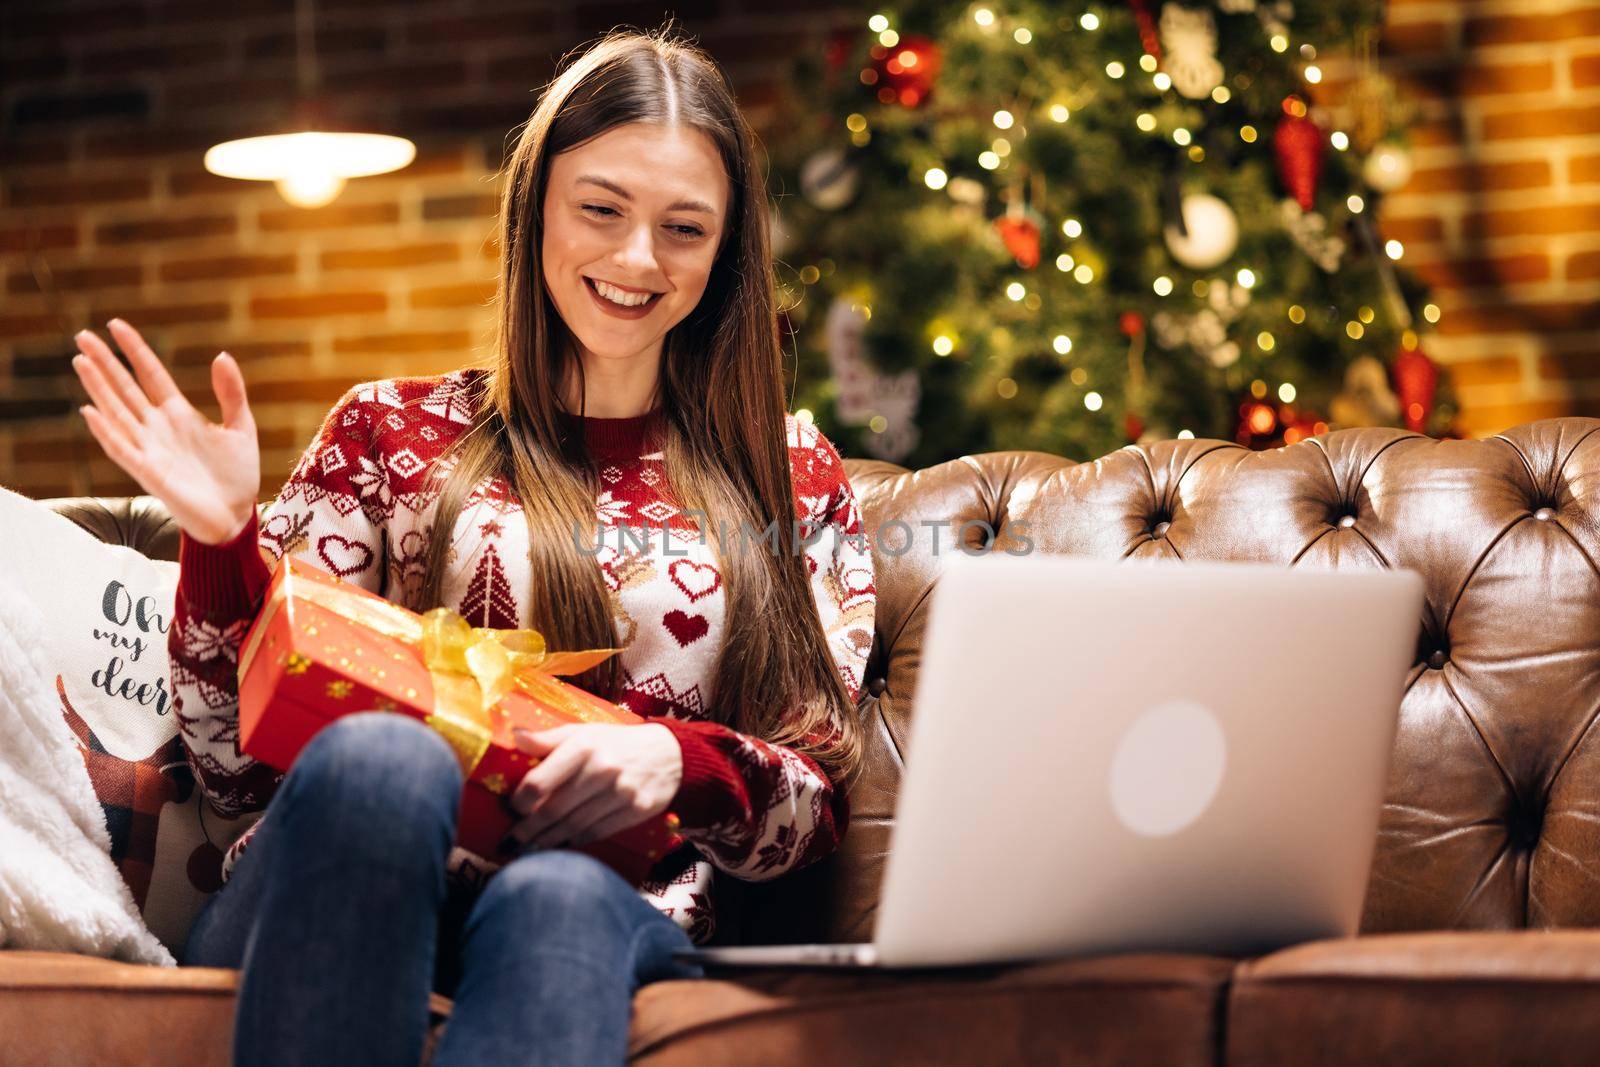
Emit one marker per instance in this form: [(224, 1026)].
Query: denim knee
[(557, 891), (377, 774)]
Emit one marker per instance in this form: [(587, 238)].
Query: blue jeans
[(337, 912)]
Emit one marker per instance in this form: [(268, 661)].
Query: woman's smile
[(613, 308)]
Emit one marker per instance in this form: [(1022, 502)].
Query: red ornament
[(1133, 426), (906, 72), (1415, 379), (1131, 323), (1299, 145), (1021, 237), (1149, 39)]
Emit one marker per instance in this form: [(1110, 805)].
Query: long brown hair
[(721, 396)]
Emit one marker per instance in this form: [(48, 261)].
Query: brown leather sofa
[(1488, 859)]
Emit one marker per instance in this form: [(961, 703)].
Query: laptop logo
[(1167, 768)]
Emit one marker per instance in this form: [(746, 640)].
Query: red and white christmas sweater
[(355, 506)]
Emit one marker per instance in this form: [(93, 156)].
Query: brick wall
[(105, 209), (1502, 213)]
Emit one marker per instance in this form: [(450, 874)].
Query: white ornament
[(1189, 39), (1213, 232), (828, 179), (1387, 168), (864, 392), (1310, 231)]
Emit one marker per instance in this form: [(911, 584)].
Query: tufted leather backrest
[(1494, 788)]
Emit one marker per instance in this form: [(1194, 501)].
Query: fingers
[(605, 823), (117, 447), (114, 373), (158, 384), (228, 383), (546, 778), (554, 821), (114, 413)]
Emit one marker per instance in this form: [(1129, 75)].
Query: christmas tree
[(1069, 227)]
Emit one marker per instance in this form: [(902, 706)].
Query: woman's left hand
[(593, 780)]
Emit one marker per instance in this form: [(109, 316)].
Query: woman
[(498, 491)]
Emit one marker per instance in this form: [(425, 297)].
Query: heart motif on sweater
[(686, 628), (695, 579), (342, 555)]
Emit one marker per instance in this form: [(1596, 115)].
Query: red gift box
[(322, 647)]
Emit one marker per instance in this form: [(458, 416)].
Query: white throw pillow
[(103, 615)]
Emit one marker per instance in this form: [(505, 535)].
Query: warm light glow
[(309, 167), (1078, 376), (1089, 20), (1313, 74), (1072, 228), (1181, 135), (1221, 94), (1084, 273), (804, 415), (943, 345), (1279, 43), (1186, 435), (1016, 290), (888, 38), (1366, 314), (1092, 401), (1339, 139), (1062, 344), (1286, 393), (877, 424), (1297, 314), (1147, 63), (1115, 69), (983, 17), (1059, 112), (1394, 249), (1162, 81), (988, 160), (1162, 285), (1355, 204), (1262, 420), (935, 178), (1430, 312), (1145, 121), (1247, 277), (1258, 388), (1022, 35), (1006, 387), (1247, 134), (878, 23), (1003, 119), (1266, 341), (1354, 329), (1064, 262)]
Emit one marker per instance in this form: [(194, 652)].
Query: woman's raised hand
[(207, 475)]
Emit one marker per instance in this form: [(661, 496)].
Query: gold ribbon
[(472, 667)]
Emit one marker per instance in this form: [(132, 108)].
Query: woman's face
[(641, 207)]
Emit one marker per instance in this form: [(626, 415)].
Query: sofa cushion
[(1117, 1009), (101, 624), (1459, 998)]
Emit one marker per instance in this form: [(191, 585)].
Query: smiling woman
[(637, 383)]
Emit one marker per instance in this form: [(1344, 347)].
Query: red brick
[(218, 267), (313, 305), (38, 238), (1511, 222), (75, 279), (335, 216), (1495, 370), (1584, 169), (477, 205), (1583, 266), (1473, 176), (1570, 366), (71, 191), (1523, 123), (13, 326), (390, 258), (142, 315), (471, 294), (221, 92), (413, 341), (1530, 29), (1485, 271), (246, 352), (1504, 317), (1419, 229), (1482, 419), (141, 231)]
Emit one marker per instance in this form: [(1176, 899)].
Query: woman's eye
[(685, 232), (597, 207)]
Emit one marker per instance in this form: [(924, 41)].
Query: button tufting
[(1160, 529), (1437, 659), (1544, 514), (1347, 521), (877, 686)]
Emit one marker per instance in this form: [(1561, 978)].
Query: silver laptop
[(1140, 755)]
